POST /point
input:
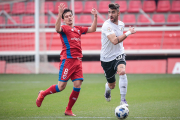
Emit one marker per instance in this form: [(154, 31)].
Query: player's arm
[(117, 39), (58, 21), (94, 24)]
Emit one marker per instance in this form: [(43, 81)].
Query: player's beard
[(115, 19)]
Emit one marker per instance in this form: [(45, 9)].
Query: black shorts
[(110, 68)]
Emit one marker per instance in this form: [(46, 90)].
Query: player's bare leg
[(122, 83), (108, 88), (73, 97)]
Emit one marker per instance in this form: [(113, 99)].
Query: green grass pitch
[(150, 96)]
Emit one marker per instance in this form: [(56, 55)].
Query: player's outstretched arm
[(115, 40), (61, 8), (94, 24)]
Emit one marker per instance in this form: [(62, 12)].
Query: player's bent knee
[(112, 86), (122, 72)]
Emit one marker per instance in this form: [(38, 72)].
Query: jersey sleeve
[(84, 30), (107, 29)]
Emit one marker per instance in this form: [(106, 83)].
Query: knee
[(61, 87), (122, 72), (112, 86)]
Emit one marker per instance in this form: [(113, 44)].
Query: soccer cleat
[(40, 98), (69, 113), (107, 96), (124, 102)]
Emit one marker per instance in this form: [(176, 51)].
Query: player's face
[(113, 15), (68, 18)]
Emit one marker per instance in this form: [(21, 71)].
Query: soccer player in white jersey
[(112, 52)]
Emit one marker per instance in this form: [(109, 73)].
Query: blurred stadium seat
[(158, 19), (123, 5), (16, 19), (134, 6), (28, 21), (55, 9), (18, 8), (2, 20), (173, 18), (149, 6), (30, 8), (103, 6), (78, 7), (163, 6), (175, 7), (85, 19), (5, 7), (129, 19), (48, 6), (89, 5), (143, 20)]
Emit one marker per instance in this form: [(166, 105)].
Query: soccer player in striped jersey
[(70, 57), (112, 52)]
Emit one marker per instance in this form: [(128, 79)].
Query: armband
[(127, 33)]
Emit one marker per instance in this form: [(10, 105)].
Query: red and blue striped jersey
[(71, 41)]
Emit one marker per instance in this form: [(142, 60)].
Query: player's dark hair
[(65, 11), (114, 6)]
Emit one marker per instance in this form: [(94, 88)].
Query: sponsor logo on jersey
[(65, 73), (77, 39)]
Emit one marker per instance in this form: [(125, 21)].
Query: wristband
[(127, 33)]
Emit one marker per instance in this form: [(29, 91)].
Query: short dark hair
[(114, 6), (65, 11)]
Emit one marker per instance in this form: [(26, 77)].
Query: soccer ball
[(121, 112)]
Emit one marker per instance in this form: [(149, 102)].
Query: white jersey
[(109, 51)]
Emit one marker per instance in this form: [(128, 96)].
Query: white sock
[(107, 88), (123, 85)]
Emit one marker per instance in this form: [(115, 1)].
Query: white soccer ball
[(121, 112)]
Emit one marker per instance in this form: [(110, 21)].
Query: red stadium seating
[(99, 20), (43, 20), (52, 20), (87, 19), (28, 20), (18, 8), (78, 7), (103, 6), (143, 20), (48, 6), (134, 6), (30, 8), (5, 7), (163, 6), (129, 18), (55, 10), (149, 6), (158, 19), (123, 6), (3, 66), (76, 19), (173, 18), (89, 5), (175, 7), (2, 20), (15, 18)]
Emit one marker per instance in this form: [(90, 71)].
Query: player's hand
[(61, 8), (132, 30), (94, 11)]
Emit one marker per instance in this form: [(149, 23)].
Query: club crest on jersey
[(109, 29), (79, 31), (72, 29)]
